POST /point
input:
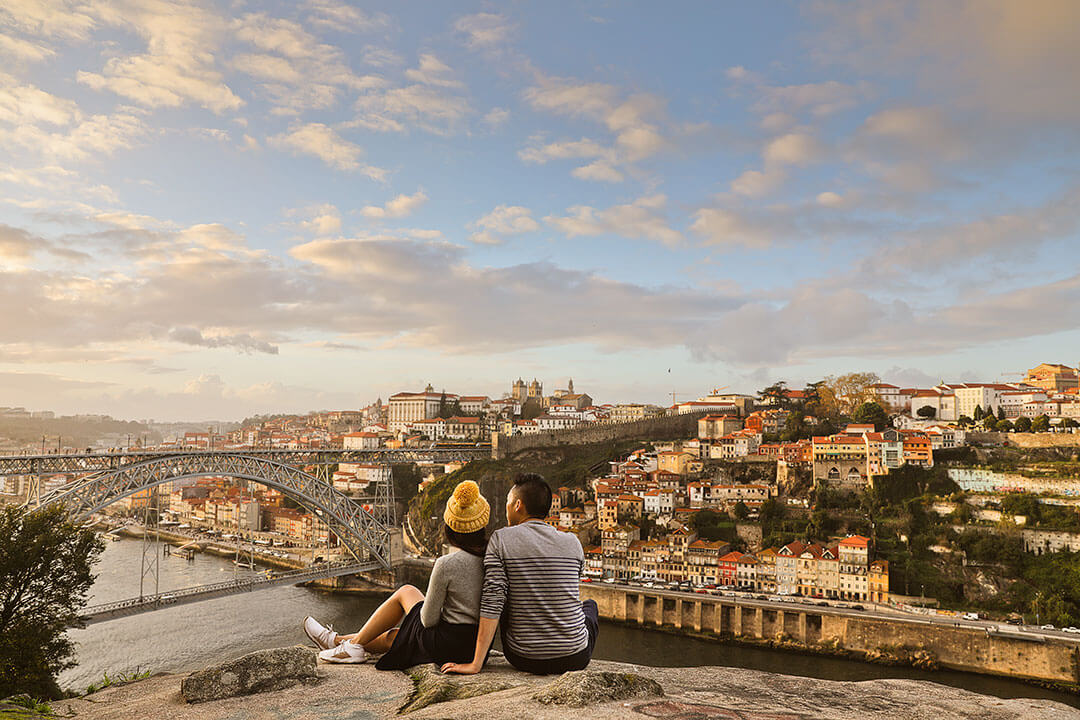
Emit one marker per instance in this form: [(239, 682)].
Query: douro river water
[(188, 637)]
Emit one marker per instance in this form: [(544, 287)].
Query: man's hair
[(534, 493)]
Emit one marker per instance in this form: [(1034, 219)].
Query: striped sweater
[(532, 572)]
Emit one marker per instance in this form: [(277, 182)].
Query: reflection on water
[(187, 637)]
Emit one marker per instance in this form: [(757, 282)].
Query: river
[(187, 637)]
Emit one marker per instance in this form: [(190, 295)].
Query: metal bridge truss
[(365, 536), (111, 461), (149, 603)]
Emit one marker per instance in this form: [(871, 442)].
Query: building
[(360, 441), (634, 411), (405, 407), (878, 580), (1052, 377), (854, 568)]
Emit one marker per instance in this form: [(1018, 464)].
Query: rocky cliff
[(605, 690)]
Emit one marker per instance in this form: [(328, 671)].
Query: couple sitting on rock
[(523, 580)]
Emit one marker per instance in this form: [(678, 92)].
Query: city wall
[(821, 629), (667, 427), (1026, 440)]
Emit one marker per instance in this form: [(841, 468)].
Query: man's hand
[(461, 668)]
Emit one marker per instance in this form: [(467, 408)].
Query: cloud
[(242, 342), (179, 66), (495, 117), (320, 220), (77, 137), (419, 106), (432, 71), (23, 50), (1008, 63), (504, 220), (338, 16), (634, 122), (483, 30), (598, 171), (399, 207), (324, 143), (641, 219), (296, 71), (29, 104)]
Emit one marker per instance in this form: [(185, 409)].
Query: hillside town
[(689, 512)]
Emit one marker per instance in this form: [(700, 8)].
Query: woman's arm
[(436, 594)]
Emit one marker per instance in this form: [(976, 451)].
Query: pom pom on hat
[(467, 510)]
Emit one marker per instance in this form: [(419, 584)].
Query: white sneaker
[(323, 636), (346, 652)]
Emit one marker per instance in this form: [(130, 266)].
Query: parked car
[(1047, 627), (857, 607), (586, 579), (1072, 629), (971, 616)]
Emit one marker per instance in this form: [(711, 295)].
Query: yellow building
[(675, 461), (879, 581), (1052, 377)]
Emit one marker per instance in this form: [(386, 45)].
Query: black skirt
[(417, 645)]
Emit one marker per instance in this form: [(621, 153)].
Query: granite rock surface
[(360, 692)]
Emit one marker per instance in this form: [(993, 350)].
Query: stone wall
[(667, 427), (812, 628), (1026, 440)]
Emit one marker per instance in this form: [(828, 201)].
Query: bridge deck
[(184, 596), (95, 462)]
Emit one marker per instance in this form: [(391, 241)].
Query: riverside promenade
[(971, 646)]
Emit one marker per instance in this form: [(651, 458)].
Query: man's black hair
[(534, 493)]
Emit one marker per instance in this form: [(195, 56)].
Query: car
[(1047, 627), (971, 616), (857, 607), (822, 604), (609, 581), (1072, 629), (586, 579), (650, 584)]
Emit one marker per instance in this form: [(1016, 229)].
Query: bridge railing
[(240, 584)]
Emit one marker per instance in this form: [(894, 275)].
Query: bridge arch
[(357, 529)]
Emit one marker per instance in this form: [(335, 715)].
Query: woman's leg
[(386, 617)]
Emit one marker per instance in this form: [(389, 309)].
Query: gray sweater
[(453, 594), (531, 584)]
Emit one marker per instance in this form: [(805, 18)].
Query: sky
[(210, 210)]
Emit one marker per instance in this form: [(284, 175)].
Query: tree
[(794, 427), (965, 421), (1040, 424), (871, 412), (812, 398), (1069, 423), (444, 409), (740, 511), (776, 395), (1000, 413), (989, 421), (841, 394), (1022, 424), (45, 575), (927, 412), (978, 414), (1003, 426)]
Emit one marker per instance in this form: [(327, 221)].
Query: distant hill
[(73, 432)]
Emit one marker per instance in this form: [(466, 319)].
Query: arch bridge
[(368, 534)]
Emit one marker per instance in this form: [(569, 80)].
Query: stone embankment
[(604, 690), (834, 631), (665, 427)]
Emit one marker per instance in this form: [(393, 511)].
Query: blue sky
[(209, 210)]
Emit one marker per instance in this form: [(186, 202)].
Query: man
[(531, 582)]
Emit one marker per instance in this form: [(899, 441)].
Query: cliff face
[(605, 690)]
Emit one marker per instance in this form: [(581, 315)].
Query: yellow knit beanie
[(467, 510)]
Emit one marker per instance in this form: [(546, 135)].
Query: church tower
[(570, 386)]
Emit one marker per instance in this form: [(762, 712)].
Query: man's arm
[(484, 638)]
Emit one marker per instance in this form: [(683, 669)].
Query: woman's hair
[(474, 543)]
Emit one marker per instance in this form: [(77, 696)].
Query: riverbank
[(914, 642)]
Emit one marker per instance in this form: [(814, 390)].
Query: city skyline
[(209, 214)]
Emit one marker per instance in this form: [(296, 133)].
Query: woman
[(439, 628)]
